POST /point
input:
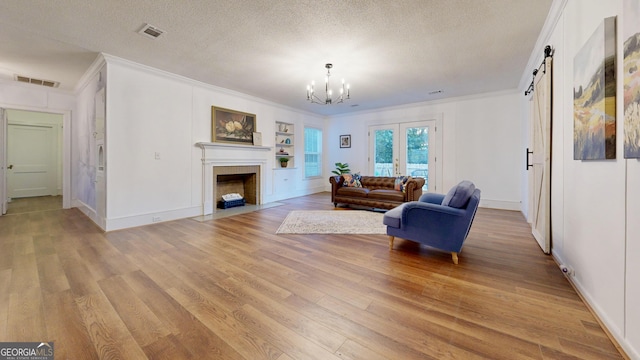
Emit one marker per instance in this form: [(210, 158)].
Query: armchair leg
[(454, 256), (391, 238)]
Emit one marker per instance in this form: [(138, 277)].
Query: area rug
[(332, 222)]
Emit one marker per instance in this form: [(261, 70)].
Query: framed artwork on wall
[(345, 141), (232, 126), (631, 38), (594, 95)]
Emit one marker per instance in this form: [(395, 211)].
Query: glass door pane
[(382, 150), (415, 156)]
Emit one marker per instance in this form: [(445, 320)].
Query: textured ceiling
[(392, 52)]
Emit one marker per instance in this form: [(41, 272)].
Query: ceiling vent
[(26, 79), (151, 31)]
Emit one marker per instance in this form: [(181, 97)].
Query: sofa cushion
[(387, 195), (393, 216), (378, 182), (353, 192), (459, 195)]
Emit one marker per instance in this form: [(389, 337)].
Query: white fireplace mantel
[(223, 154), (211, 145)]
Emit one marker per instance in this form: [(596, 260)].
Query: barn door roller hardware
[(548, 52)]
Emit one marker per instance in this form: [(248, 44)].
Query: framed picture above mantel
[(231, 126)]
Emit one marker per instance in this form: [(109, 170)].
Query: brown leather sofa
[(376, 192)]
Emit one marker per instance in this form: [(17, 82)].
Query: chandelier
[(344, 91)]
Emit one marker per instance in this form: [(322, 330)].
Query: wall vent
[(151, 31), (26, 79)]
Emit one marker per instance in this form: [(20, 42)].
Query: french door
[(404, 149)]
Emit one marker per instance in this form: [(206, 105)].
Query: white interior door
[(541, 159), (3, 162), (31, 158)]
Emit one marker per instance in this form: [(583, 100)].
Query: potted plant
[(283, 161), (341, 169)]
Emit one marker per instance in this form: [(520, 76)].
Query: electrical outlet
[(156, 219), (567, 270)]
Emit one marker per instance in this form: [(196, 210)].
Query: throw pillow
[(352, 180), (401, 183), (358, 179), (459, 195)]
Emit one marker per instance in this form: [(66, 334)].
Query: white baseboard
[(614, 332), (89, 212), (151, 218), (500, 204), (292, 194)]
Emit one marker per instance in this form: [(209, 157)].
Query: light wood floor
[(232, 289), (31, 204)]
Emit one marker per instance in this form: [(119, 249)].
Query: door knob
[(10, 167)]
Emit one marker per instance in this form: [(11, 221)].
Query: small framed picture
[(345, 141), (257, 139)]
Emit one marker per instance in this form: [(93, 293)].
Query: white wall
[(15, 95), (595, 204), (149, 112), (477, 137), (84, 156)]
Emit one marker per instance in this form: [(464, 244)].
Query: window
[(312, 152)]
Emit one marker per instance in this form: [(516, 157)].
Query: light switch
[(157, 155)]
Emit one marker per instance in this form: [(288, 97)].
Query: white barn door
[(540, 197)]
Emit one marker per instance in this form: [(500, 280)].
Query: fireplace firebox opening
[(244, 180)]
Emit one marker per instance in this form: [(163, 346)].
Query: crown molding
[(536, 57), (429, 103), (95, 68)]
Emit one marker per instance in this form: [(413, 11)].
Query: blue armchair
[(437, 220)]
